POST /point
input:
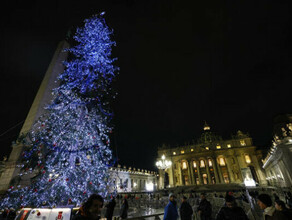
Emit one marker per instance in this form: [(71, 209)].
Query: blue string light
[(67, 153)]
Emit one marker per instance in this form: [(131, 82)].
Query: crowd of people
[(230, 210), (91, 209), (263, 206)]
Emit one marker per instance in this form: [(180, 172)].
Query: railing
[(156, 217)]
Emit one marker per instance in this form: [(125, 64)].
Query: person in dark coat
[(185, 210), (12, 214), (282, 211), (170, 211), (110, 209), (289, 200), (266, 204), (4, 213), (91, 209), (231, 210), (205, 208), (124, 209)]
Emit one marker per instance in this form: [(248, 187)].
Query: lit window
[(207, 148), (174, 153), (205, 178), (182, 152), (229, 145), (202, 163), (242, 143), (192, 150), (247, 158), (184, 165), (225, 177), (218, 146), (206, 127), (210, 163), (194, 164), (221, 161)]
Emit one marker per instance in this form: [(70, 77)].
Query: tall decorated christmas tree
[(68, 151)]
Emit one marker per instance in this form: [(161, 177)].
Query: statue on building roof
[(240, 135), (208, 137), (206, 127)]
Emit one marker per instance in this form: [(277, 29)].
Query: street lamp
[(163, 163)]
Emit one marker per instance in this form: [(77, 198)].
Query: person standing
[(185, 210), (91, 209), (282, 210), (110, 209), (124, 209), (231, 210), (170, 211), (289, 199), (205, 208), (265, 203)]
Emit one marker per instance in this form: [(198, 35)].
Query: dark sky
[(181, 63)]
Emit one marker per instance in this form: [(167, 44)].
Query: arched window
[(202, 163), (210, 163), (194, 164), (247, 158), (205, 178), (221, 161), (184, 165)]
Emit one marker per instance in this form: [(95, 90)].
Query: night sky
[(181, 64)]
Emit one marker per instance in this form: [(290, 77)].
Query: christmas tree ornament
[(70, 140)]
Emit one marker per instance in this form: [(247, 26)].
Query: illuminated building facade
[(134, 180), (277, 163), (213, 160)]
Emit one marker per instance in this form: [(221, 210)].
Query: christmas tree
[(68, 150)]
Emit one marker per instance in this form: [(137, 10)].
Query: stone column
[(173, 174), (189, 173), (230, 174), (287, 163), (171, 180), (238, 165), (260, 174), (208, 173), (215, 171), (170, 175), (199, 173), (192, 173), (219, 171), (180, 173), (287, 180), (161, 178), (11, 169)]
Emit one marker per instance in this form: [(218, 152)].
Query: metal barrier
[(156, 217)]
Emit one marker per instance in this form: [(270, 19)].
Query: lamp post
[(162, 164)]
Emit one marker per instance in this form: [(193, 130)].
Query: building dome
[(208, 138)]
